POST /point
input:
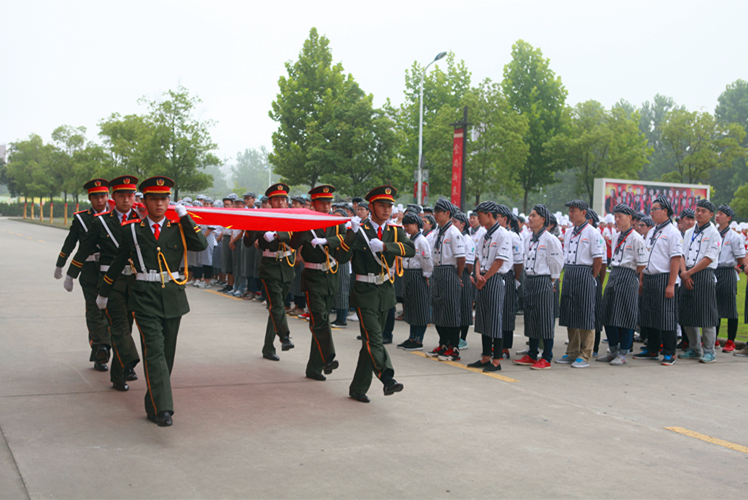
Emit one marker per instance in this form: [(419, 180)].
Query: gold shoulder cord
[(398, 260), (283, 248), (161, 257)]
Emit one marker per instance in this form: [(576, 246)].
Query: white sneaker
[(203, 285), (352, 317), (580, 363), (619, 361)]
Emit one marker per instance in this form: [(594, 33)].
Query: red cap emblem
[(160, 182)]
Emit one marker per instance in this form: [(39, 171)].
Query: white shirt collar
[(376, 226), (151, 223), (120, 214)]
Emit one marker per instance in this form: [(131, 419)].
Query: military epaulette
[(103, 213), (80, 212), (130, 221)]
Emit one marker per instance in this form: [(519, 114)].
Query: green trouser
[(373, 357), (323, 350), (98, 326), (276, 291), (158, 338), (124, 352)]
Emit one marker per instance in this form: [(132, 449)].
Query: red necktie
[(124, 218), (379, 232), (156, 231)]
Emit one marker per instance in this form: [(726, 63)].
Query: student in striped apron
[(448, 254), (658, 289), (493, 259), (544, 260), (620, 304), (416, 295), (512, 283), (584, 248), (467, 295), (594, 221), (697, 303), (556, 231), (731, 257), (685, 221)]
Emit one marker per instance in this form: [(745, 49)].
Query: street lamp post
[(440, 55), (270, 174)]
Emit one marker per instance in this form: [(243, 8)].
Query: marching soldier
[(158, 300), (325, 253), (276, 274), (376, 247), (98, 328), (106, 234), (731, 256)]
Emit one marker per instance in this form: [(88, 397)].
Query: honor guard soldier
[(98, 327), (276, 274), (731, 257), (325, 253), (156, 246), (106, 234), (376, 248)]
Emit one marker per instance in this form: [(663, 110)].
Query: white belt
[(94, 257), (277, 255), (127, 271), (154, 277), (320, 267), (377, 279)]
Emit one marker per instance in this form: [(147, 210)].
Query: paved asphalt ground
[(245, 427)]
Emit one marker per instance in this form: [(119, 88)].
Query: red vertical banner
[(457, 147)]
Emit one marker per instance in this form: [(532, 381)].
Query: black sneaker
[(404, 345), (414, 346), (645, 354), (339, 325)]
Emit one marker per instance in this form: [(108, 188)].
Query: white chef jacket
[(544, 257)]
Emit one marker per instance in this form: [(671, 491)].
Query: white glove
[(319, 241), (376, 245), (355, 224), (517, 284), (269, 236), (181, 210), (101, 302), (68, 283), (58, 273)]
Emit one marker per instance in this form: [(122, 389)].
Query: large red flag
[(268, 219)]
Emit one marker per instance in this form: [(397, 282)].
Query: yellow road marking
[(223, 295), (464, 367), (709, 439), (41, 241), (29, 237)]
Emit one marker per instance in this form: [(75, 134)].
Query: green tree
[(27, 171), (652, 117), (74, 160), (535, 92), (251, 170), (125, 140), (732, 107), (600, 143), (739, 202)]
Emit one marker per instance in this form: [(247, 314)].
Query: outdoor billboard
[(640, 195)]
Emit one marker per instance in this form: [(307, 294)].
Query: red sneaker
[(440, 349), (526, 360), (542, 364), (304, 316), (446, 355), (729, 346), (716, 344)]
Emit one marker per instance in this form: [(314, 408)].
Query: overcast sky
[(76, 62)]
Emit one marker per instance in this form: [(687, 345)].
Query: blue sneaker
[(668, 360), (565, 360), (708, 357), (580, 363), (690, 354), (463, 345)]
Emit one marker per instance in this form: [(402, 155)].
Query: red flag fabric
[(280, 219)]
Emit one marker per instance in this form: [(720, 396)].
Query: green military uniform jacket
[(82, 222), (151, 297), (317, 281), (396, 244), (272, 268)]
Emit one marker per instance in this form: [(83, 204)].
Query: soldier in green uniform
[(276, 273), (105, 233), (157, 300), (377, 249), (98, 328), (323, 251)]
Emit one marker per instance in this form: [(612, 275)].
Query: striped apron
[(236, 258), (218, 257), (445, 296), (489, 304), (540, 321), (557, 301), (657, 311), (620, 304), (249, 261), (599, 302), (727, 291), (398, 286), (416, 298), (466, 299), (227, 260), (342, 296), (698, 307), (578, 298), (510, 302)]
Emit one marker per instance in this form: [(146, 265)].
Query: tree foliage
[(652, 117)]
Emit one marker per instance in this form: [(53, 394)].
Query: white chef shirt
[(452, 247), (518, 248), (585, 247), (477, 234), (732, 249), (497, 245), (629, 253), (467, 240), (544, 257), (663, 243), (422, 258), (704, 244)]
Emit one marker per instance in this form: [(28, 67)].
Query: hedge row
[(16, 209)]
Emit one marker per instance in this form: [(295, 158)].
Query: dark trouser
[(275, 291), (508, 339), (125, 354), (547, 349), (449, 335), (158, 337), (598, 337), (98, 326), (342, 318), (200, 272), (389, 325), (323, 349), (492, 347), (373, 357), (655, 338), (300, 301), (619, 339), (732, 328), (464, 331), (417, 332)]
